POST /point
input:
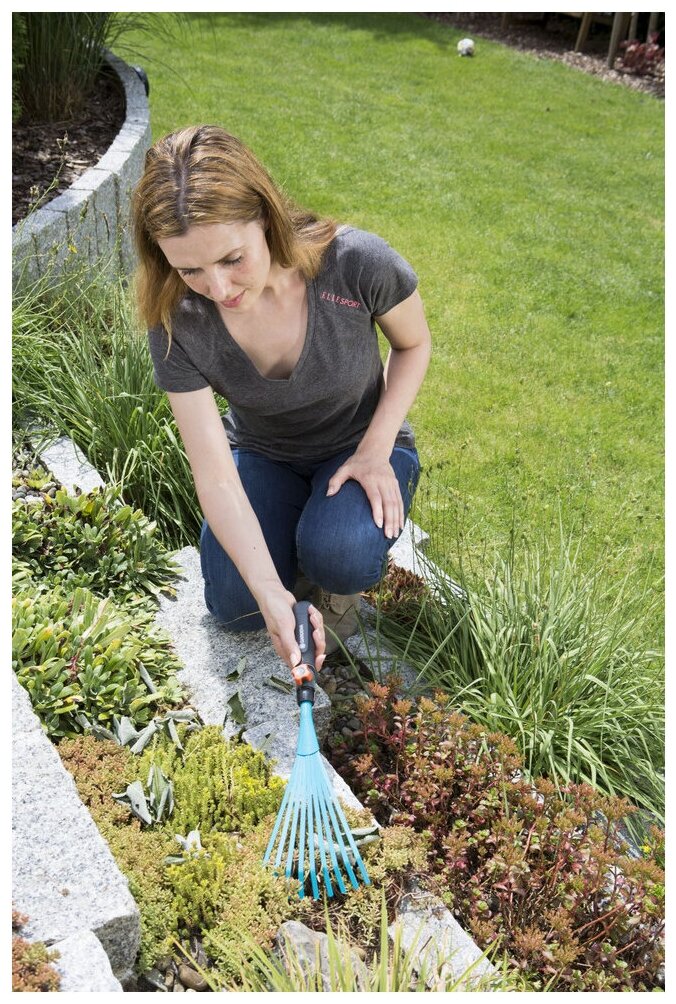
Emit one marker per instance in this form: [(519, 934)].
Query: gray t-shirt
[(327, 403)]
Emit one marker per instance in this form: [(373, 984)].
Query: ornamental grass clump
[(555, 657), (542, 870)]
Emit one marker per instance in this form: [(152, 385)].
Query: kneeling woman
[(312, 470)]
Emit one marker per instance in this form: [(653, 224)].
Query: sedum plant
[(99, 767), (219, 784), (79, 655), (91, 540), (31, 969), (540, 868)]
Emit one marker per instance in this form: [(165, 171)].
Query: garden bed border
[(90, 220)]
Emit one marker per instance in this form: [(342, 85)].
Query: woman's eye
[(231, 261)]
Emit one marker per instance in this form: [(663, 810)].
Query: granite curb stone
[(66, 881), (84, 966)]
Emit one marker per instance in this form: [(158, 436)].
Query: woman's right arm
[(233, 522)]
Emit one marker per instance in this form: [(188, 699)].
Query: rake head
[(311, 834)]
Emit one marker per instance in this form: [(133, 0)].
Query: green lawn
[(529, 198)]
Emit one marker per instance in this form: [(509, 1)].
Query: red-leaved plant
[(642, 58), (541, 869)]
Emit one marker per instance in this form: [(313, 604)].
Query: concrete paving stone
[(64, 877), (70, 467), (440, 940), (84, 966)]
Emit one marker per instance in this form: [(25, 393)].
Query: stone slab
[(440, 940), (84, 966), (70, 467), (212, 656), (64, 877)]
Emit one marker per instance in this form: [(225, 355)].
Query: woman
[(312, 470)]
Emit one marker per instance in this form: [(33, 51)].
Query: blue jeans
[(334, 540)]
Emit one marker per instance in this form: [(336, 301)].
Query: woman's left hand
[(377, 478)]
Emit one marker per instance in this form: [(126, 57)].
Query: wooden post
[(619, 30), (652, 25), (585, 25), (633, 26)]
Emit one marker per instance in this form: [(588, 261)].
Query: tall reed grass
[(59, 55), (81, 369)]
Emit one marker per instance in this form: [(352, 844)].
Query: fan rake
[(311, 834)]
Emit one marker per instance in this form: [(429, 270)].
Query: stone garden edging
[(217, 666), (89, 221)]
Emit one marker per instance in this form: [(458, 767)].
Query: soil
[(555, 39), (47, 157)]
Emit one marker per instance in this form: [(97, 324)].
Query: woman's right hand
[(277, 609)]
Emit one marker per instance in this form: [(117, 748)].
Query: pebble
[(191, 979), (354, 724), (346, 732)]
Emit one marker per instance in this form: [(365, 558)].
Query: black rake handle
[(305, 690)]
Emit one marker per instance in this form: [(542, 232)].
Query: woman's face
[(227, 262)]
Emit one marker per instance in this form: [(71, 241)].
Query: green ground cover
[(528, 196)]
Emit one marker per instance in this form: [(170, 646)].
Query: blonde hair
[(202, 175)]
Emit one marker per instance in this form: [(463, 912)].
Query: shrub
[(540, 869), (642, 58), (80, 654)]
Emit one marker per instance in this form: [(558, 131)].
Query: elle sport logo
[(342, 301)]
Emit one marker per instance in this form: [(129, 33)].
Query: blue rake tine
[(332, 805), (328, 839), (322, 853), (290, 805), (288, 871), (301, 847), (311, 849), (353, 847), (278, 823)]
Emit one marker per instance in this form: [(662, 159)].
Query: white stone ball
[(466, 47)]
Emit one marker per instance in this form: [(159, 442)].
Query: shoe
[(340, 616)]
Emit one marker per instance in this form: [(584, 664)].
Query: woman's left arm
[(405, 328)]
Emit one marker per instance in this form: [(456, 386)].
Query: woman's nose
[(219, 285)]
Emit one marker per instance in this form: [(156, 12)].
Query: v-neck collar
[(309, 334)]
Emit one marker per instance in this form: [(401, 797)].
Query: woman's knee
[(345, 562)]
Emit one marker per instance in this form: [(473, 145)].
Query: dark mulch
[(556, 40), (49, 156)]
